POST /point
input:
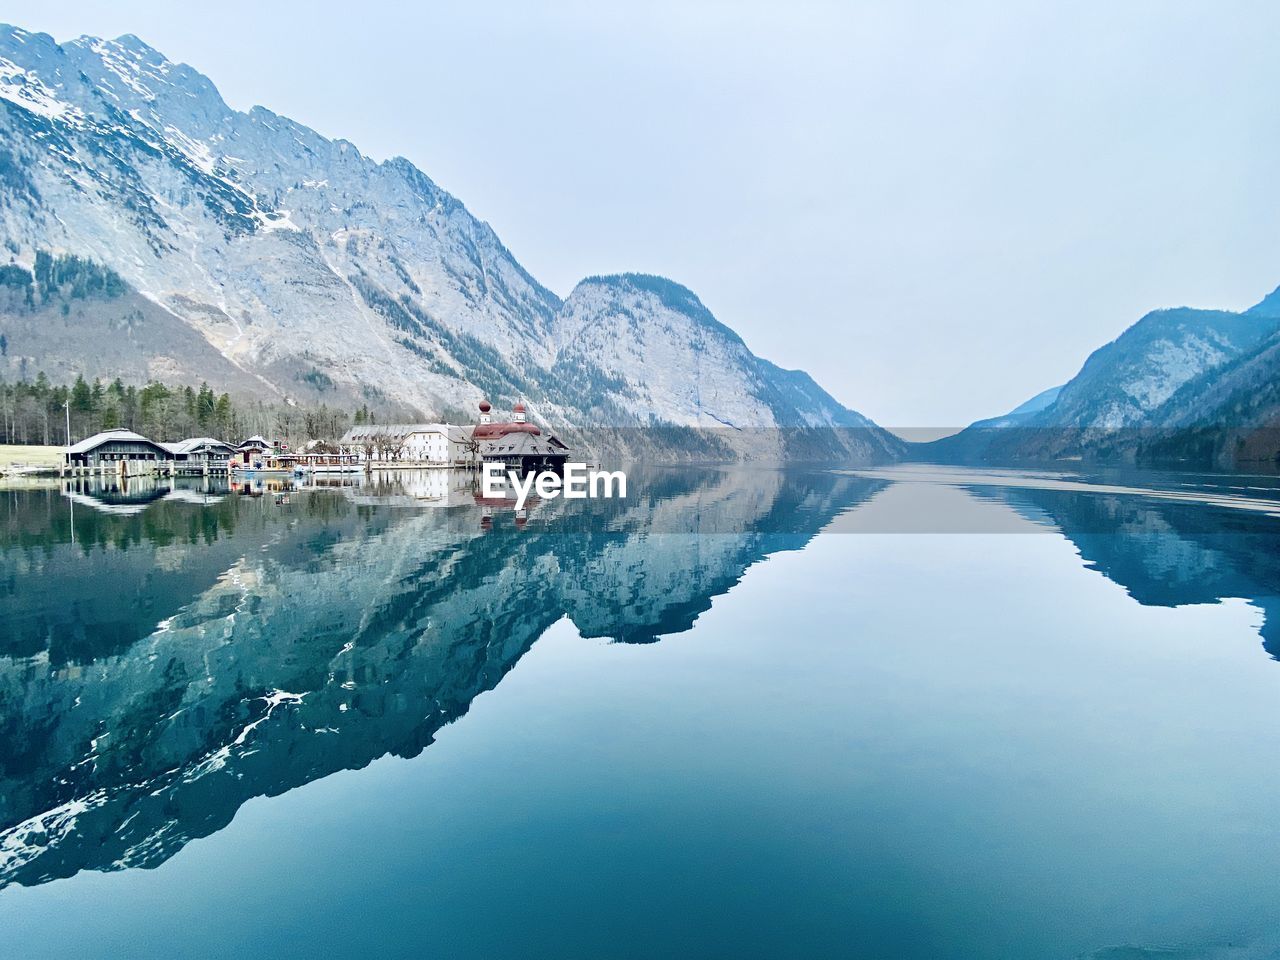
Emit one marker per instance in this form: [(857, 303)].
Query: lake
[(915, 712)]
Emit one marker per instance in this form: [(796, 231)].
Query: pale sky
[(937, 209)]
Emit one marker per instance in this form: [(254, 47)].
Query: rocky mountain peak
[(321, 274)]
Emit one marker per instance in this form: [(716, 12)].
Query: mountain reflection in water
[(168, 654), (160, 667)]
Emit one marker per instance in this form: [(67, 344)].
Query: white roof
[(195, 443), (98, 439), (399, 431)]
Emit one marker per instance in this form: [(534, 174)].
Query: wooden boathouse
[(131, 454), (201, 454), (113, 447)]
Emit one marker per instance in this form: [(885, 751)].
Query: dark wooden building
[(114, 446), (525, 453), (517, 443)]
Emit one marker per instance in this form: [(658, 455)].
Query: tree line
[(39, 411), (64, 276)]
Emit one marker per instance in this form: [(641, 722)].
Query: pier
[(117, 469)]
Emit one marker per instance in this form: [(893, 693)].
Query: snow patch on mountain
[(1169, 366), (25, 89), (1159, 373), (333, 276)]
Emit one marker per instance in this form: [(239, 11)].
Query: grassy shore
[(20, 456)]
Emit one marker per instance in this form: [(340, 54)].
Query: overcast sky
[(936, 209)]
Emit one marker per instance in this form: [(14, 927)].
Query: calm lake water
[(915, 713)]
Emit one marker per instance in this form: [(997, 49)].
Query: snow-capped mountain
[(638, 339), (1229, 416), (258, 254), (1123, 382), (1161, 375)]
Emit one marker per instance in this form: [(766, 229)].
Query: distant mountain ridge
[(1041, 401), (1181, 384), (259, 255)]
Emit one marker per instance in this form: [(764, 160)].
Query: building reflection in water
[(170, 652)]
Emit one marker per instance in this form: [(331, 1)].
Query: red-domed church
[(516, 442)]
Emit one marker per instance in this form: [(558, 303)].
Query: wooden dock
[(125, 469)]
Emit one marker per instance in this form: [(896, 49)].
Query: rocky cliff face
[(653, 354), (1176, 385), (1227, 417), (265, 256), (1124, 382)]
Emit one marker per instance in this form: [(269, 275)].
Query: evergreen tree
[(223, 419), (206, 405), (129, 407), (33, 412)]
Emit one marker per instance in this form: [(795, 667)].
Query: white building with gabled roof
[(435, 444), (201, 450)]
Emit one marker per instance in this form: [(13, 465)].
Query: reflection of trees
[(77, 583)]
